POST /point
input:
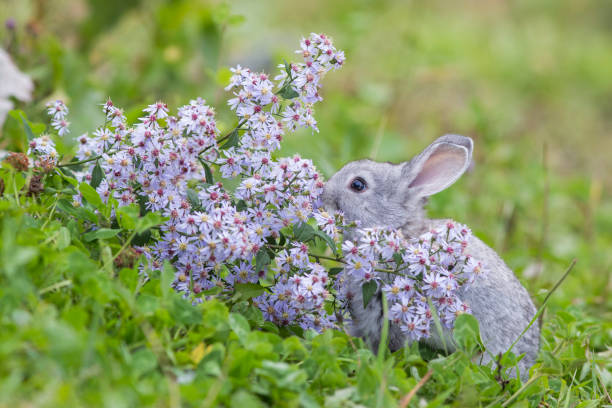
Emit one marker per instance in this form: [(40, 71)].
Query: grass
[(528, 81)]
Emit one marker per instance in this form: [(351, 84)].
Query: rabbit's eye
[(358, 184)]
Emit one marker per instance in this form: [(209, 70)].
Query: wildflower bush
[(173, 263), (223, 242)]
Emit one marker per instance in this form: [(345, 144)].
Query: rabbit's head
[(393, 195)]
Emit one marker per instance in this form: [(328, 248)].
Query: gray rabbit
[(393, 195)]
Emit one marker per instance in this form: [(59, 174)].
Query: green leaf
[(167, 276), (207, 172), (329, 240), (192, 198), (287, 68), (287, 92), (27, 128), (182, 311), (91, 195), (69, 179), (63, 238), (102, 233), (368, 290), (303, 232), (467, 333), (248, 290), (142, 239), (334, 271), (96, 176), (142, 204), (147, 304), (241, 205), (149, 220), (19, 180), (243, 398), (262, 260), (239, 325), (232, 140), (78, 212), (127, 216)]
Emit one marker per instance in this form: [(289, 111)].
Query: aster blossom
[(419, 276), (237, 217), (176, 164)]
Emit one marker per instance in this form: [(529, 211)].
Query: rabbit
[(393, 195)]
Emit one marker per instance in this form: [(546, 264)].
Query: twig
[(408, 397), (498, 375)]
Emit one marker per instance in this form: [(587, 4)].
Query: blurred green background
[(530, 81)]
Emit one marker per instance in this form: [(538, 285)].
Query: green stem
[(76, 163), (15, 192), (329, 258), (125, 245), (520, 390), (91, 158), (227, 135), (391, 271), (55, 286), (541, 309), (290, 182), (50, 215), (385, 331)]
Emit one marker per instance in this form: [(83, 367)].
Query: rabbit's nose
[(328, 201)]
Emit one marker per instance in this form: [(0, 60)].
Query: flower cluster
[(214, 236), (414, 274), (58, 111), (149, 163), (300, 291), (221, 240), (43, 149)]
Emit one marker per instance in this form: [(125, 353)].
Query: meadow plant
[(260, 235)]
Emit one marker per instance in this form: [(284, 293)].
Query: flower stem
[(329, 258), (339, 260), (76, 163), (226, 136)]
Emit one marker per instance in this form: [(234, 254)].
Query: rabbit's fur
[(395, 197)]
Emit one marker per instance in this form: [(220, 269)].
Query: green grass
[(529, 81)]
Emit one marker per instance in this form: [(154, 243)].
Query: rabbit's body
[(499, 302)]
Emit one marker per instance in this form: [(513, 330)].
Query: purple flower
[(214, 233)]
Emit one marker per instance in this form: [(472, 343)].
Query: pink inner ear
[(442, 168)]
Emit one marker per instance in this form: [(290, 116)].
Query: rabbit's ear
[(439, 165)]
